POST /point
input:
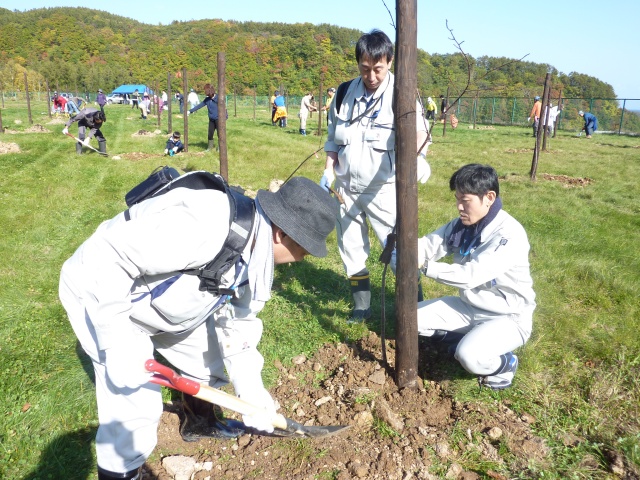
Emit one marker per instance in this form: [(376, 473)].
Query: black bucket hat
[(304, 211)]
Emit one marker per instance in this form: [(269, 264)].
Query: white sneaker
[(504, 376)]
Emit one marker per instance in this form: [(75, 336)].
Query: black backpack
[(241, 217)]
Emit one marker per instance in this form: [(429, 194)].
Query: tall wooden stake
[(185, 120), (26, 91), (536, 149), (158, 100), (405, 96), (545, 103), (320, 113), (48, 99), (222, 117), (169, 102), (445, 113)]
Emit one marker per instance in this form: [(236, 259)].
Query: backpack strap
[(340, 93)]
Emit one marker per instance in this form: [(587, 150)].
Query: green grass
[(578, 372)]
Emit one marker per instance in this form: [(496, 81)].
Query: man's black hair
[(375, 45), (99, 116), (475, 179)]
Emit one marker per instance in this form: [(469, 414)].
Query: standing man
[(90, 118), (306, 106), (535, 114), (126, 296), (590, 122), (331, 92), (192, 98), (361, 159), (443, 107), (211, 102), (180, 98), (101, 100), (135, 99), (432, 109), (272, 102), (280, 115)]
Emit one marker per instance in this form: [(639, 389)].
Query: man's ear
[(491, 195), (278, 234)]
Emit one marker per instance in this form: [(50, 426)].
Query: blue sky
[(585, 36)]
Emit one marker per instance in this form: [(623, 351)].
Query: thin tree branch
[(390, 15)]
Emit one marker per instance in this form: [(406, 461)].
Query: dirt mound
[(9, 148), (568, 181), (37, 128), (394, 434), (143, 133), (135, 156), (56, 121)]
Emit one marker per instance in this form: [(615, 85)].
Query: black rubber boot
[(211, 146), (78, 148), (201, 421), (102, 147), (361, 292), (130, 475)]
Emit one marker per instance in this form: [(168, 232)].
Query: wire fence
[(619, 116)]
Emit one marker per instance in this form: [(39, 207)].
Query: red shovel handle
[(169, 378)]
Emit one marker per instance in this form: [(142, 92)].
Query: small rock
[(378, 377), (116, 157), (454, 471), (526, 418), (363, 418), (386, 414), (494, 433), (322, 401), (179, 467), (244, 440), (442, 450), (317, 367), (299, 359)]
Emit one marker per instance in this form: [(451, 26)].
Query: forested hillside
[(82, 49)]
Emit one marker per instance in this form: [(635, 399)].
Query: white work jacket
[(363, 135), (495, 276)]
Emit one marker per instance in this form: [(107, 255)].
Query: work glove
[(528, 119), (327, 178), (188, 113), (125, 365), (166, 151), (86, 141), (65, 130), (261, 420), (175, 149), (424, 170)]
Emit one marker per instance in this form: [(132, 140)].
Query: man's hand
[(86, 141), (424, 170), (125, 365), (528, 119), (65, 131), (327, 179), (262, 420)]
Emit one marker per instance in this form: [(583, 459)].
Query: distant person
[(145, 105), (72, 107), (331, 92), (432, 109), (306, 106), (554, 111), (280, 115), (192, 98), (101, 100), (590, 122), (493, 313), (59, 103), (211, 102), (180, 99), (535, 114), (272, 101), (90, 118), (443, 107), (165, 99), (135, 99), (174, 144)]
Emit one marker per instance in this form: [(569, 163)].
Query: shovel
[(285, 427), (84, 145)]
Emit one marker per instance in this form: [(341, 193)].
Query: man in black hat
[(90, 118), (126, 295)]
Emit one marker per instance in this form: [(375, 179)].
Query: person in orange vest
[(535, 113)]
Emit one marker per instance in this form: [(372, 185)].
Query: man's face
[(286, 250), (373, 73), (473, 208)]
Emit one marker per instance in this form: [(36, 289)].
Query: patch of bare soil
[(56, 121), (568, 181), (394, 434), (9, 148), (519, 150), (143, 133), (37, 128), (136, 156)]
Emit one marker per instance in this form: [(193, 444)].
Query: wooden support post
[(222, 117), (557, 122), (48, 99), (445, 113), (1, 128), (404, 94), (169, 123), (320, 114), (185, 117), (158, 100), (235, 102), (254, 104), (26, 92), (545, 112), (536, 149)]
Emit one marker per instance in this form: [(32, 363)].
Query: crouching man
[(493, 314), (90, 118), (127, 294)]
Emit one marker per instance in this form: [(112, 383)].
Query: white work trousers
[(351, 226), (487, 335), (303, 120), (129, 417)]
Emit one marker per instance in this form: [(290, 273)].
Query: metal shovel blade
[(295, 429)]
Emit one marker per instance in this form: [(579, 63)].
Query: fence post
[(493, 109), (320, 107), (536, 149), (513, 110), (556, 125), (222, 116), (185, 117), (624, 102), (1, 129), (169, 123), (254, 103), (26, 92), (48, 99)]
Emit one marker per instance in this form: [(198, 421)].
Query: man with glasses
[(361, 154)]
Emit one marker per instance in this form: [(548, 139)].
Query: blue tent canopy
[(129, 89)]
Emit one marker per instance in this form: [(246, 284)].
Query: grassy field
[(578, 373)]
